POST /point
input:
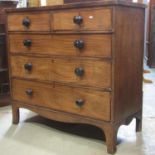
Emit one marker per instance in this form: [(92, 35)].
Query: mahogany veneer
[(79, 63)]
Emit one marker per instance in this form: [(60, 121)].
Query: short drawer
[(96, 45), (28, 22), (84, 102), (91, 19), (82, 72), (29, 67)]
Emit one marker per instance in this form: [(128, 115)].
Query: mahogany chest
[(79, 63)]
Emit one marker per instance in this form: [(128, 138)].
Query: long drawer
[(85, 102), (90, 45), (77, 71)]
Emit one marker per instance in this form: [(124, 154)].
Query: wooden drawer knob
[(79, 71), (27, 42), (79, 44), (78, 20), (28, 66), (79, 102), (26, 22), (29, 92)]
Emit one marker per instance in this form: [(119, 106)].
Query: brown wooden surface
[(5, 100), (40, 68), (96, 19), (96, 73), (83, 1), (95, 45), (39, 22), (119, 70), (63, 98), (75, 1), (128, 62), (93, 4), (151, 36)]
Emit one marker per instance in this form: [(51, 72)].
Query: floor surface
[(39, 136)]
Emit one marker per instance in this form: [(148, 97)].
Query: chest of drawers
[(79, 63)]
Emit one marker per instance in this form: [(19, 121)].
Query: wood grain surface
[(96, 19), (96, 73), (39, 21), (63, 98), (96, 45)]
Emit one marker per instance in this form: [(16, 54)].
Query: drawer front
[(29, 22), (82, 72), (67, 45), (73, 71), (85, 102), (93, 19), (31, 68)]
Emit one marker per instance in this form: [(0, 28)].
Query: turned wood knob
[(79, 44), (29, 92), (78, 20), (79, 102), (79, 71), (28, 66), (26, 22), (27, 42)]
